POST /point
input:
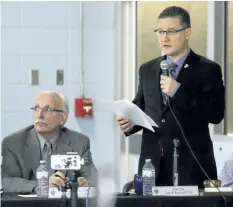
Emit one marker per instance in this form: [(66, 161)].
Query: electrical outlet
[(60, 77), (34, 77)]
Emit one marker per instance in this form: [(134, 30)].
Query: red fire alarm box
[(83, 107)]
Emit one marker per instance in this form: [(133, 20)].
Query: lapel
[(32, 152), (186, 69), (154, 81), (64, 142)]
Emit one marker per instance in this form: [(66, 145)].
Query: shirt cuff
[(128, 133), (174, 92)]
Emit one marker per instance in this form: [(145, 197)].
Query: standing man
[(196, 94)]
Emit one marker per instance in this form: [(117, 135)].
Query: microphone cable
[(199, 164)]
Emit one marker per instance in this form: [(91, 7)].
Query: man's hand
[(82, 182), (124, 124), (168, 85), (57, 179)]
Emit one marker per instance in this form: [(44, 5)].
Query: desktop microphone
[(176, 143)]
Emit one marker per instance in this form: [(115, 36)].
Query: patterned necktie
[(47, 152), (173, 67), (172, 72)]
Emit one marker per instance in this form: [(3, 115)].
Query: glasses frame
[(166, 31), (50, 109)]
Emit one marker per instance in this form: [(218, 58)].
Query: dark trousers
[(164, 178)]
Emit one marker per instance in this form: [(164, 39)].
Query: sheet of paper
[(27, 195), (130, 111), (151, 121)]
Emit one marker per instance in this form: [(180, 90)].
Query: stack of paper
[(129, 110)]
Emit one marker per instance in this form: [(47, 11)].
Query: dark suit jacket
[(198, 102), (21, 156)]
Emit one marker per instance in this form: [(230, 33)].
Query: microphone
[(176, 143), (165, 71), (165, 68)]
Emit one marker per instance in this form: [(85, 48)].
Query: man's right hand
[(57, 179), (124, 124)]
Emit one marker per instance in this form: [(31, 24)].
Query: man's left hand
[(82, 182), (168, 85)]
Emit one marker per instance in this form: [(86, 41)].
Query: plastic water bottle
[(42, 177), (148, 174)]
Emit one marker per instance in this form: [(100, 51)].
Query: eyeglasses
[(170, 32), (45, 109)]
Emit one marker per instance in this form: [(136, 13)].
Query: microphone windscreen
[(164, 66)]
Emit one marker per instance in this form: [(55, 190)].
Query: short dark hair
[(175, 11)]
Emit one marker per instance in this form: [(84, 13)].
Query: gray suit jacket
[(21, 156)]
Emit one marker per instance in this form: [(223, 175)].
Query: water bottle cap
[(148, 160), (42, 161)]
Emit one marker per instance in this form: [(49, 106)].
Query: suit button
[(163, 120)]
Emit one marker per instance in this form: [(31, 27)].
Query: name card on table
[(82, 192), (175, 191)]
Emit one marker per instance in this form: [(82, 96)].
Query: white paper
[(28, 196), (82, 192), (129, 110)]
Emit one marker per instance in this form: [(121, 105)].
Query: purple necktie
[(172, 68), (172, 72)]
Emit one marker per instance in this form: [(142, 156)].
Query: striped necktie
[(172, 72), (46, 155), (172, 68), (47, 151)]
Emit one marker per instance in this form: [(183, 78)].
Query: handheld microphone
[(165, 72), (165, 68)]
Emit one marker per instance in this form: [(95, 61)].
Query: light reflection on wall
[(229, 78)]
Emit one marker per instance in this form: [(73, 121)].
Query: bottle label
[(147, 173), (43, 174)]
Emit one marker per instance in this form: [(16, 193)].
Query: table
[(200, 201), (210, 200)]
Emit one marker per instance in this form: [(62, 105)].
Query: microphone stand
[(73, 175), (63, 197), (176, 143)]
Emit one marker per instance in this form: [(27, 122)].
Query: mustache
[(40, 121)]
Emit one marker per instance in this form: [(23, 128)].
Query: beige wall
[(147, 15), (229, 76)]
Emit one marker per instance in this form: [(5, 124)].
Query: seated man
[(23, 150), (226, 175)]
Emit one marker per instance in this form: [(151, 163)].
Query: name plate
[(175, 191), (82, 192)]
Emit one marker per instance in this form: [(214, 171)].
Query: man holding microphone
[(195, 91)]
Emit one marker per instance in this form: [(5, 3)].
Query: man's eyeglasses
[(45, 109), (170, 32)]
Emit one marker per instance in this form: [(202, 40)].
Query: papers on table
[(28, 195), (129, 110)]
